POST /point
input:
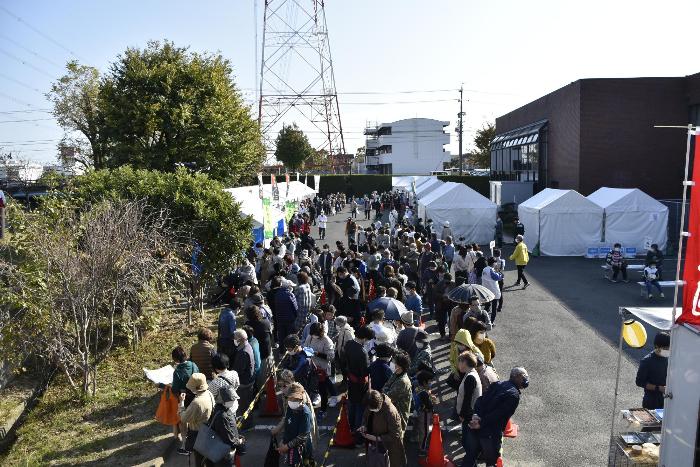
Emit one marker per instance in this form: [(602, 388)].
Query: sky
[(392, 59)]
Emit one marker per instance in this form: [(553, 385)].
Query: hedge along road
[(564, 416)]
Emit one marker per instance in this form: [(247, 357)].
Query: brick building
[(600, 132)]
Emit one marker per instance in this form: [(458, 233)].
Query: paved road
[(561, 329)]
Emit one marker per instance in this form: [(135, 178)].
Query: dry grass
[(116, 427)]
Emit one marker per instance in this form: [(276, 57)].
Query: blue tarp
[(280, 227), (259, 235)]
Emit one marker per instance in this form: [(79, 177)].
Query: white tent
[(405, 182), (561, 222), (427, 187), (471, 215), (251, 204), (630, 216)]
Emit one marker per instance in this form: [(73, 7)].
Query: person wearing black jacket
[(262, 330), (357, 369), (223, 422), (654, 255), (325, 264), (491, 414)]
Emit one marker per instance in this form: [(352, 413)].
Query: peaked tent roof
[(456, 195), (554, 200), (427, 187), (406, 180), (625, 200)]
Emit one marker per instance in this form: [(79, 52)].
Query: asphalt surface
[(564, 330)]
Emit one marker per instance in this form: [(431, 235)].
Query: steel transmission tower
[(297, 84)]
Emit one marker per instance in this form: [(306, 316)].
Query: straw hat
[(197, 383)]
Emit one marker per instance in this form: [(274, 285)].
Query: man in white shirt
[(322, 221)]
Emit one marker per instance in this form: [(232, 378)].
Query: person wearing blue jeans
[(651, 278)]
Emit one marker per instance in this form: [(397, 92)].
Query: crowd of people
[(349, 319)]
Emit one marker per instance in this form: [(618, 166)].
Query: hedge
[(478, 184)]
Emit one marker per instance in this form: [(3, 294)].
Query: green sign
[(289, 208), (268, 225)]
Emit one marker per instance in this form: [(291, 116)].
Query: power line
[(29, 141), (27, 64), (27, 49), (399, 102), (25, 111), (20, 83), (41, 33), (27, 120)]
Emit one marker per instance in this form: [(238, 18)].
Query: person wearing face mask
[(297, 446), (398, 387), (651, 374), (475, 311), (477, 330), (224, 378), (461, 343), (521, 257), (357, 370), (223, 422), (491, 414), (381, 423), (244, 364), (423, 360), (617, 262)]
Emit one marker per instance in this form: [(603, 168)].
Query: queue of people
[(323, 313)]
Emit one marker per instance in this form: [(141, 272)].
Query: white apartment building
[(414, 146)]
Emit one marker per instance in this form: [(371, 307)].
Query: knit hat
[(421, 336), (407, 317), (197, 383), (447, 223)]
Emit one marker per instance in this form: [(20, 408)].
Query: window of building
[(520, 154)]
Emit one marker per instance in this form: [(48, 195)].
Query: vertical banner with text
[(275, 188), (260, 185), (691, 270), (317, 182), (268, 224), (286, 179)]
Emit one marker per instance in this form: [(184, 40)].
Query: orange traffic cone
[(511, 430), (323, 296), (436, 454), (238, 461), (343, 435), (271, 407), (499, 462)]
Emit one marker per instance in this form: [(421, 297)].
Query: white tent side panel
[(568, 233), (563, 222), (475, 225), (630, 216), (531, 220)]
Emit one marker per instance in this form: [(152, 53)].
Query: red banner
[(691, 270)]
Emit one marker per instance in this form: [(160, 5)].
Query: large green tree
[(293, 147), (200, 209), (75, 98), (159, 108), (481, 156)]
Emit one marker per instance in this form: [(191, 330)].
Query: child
[(651, 277), (423, 401)]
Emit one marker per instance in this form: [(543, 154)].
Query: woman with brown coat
[(382, 422)]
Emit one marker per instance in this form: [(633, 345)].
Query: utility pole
[(459, 130)]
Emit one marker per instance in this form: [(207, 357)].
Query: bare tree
[(74, 282)]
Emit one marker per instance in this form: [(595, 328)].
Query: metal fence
[(674, 222)]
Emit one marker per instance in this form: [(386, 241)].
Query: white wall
[(417, 146)]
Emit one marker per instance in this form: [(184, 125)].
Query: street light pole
[(460, 130)]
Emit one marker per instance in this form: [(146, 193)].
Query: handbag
[(167, 408), (272, 459), (377, 455), (209, 444)]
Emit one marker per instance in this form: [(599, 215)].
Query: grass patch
[(116, 427)]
